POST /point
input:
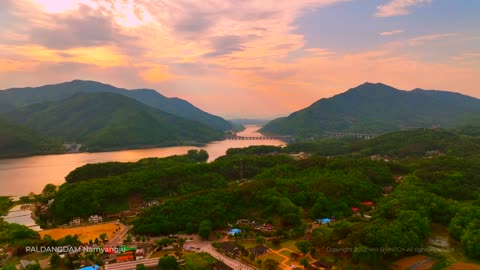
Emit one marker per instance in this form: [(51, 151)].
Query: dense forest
[(388, 196), (431, 177)]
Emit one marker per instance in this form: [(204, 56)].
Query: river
[(20, 176)]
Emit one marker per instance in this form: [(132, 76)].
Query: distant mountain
[(105, 121), (19, 97), (16, 141), (378, 108)]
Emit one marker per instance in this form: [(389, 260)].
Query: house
[(266, 227), (234, 231), (243, 222), (320, 265), (229, 248), (152, 203), (324, 221), (94, 267), (356, 211), (259, 250), (139, 254), (125, 258), (95, 219), (75, 221), (368, 204)]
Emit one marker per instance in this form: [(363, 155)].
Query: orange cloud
[(157, 73)]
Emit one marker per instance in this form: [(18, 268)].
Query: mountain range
[(105, 121), (378, 108), (20, 97)]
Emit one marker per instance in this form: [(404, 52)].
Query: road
[(237, 265), (117, 240), (131, 265)]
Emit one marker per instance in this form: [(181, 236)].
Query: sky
[(243, 59)]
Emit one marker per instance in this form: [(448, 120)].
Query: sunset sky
[(243, 58)]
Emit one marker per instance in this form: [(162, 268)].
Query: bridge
[(349, 135), (251, 138)]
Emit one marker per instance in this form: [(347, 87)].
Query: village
[(246, 244)]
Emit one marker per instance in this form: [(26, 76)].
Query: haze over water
[(20, 176)]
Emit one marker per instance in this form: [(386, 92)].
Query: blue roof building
[(234, 231), (95, 267), (324, 220)]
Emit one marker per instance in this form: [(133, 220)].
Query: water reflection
[(21, 176)]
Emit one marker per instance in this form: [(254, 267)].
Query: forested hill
[(16, 141), (379, 108), (19, 97), (105, 121)]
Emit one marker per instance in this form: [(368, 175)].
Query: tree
[(96, 241), (90, 242), (260, 240), (55, 260), (205, 228), (304, 246), (129, 238), (141, 267), (270, 264), (304, 263), (103, 237), (168, 263), (137, 238), (49, 190), (34, 266)]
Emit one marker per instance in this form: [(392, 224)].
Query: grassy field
[(85, 233), (272, 256), (194, 261)]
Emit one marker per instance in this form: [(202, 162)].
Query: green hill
[(16, 141), (19, 97), (378, 108), (105, 121)]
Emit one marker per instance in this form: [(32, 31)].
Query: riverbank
[(20, 176), (22, 214)]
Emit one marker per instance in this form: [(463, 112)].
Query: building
[(125, 258), (356, 211), (95, 219), (324, 221), (259, 250), (75, 221), (229, 248), (152, 203), (234, 231), (368, 204), (139, 254), (243, 222), (93, 267)]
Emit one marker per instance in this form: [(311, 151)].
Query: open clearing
[(85, 233)]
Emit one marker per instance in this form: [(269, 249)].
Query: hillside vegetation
[(105, 121), (378, 108), (17, 141)]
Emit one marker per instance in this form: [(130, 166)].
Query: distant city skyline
[(243, 59)]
